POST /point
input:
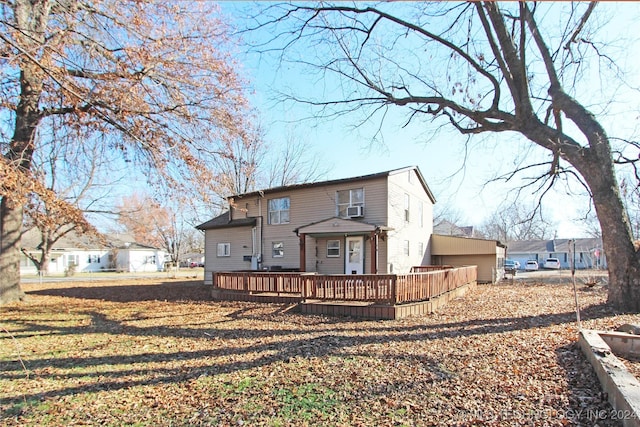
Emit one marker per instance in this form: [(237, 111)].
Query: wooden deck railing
[(380, 288), (427, 268), (259, 282), (351, 287), (423, 286)]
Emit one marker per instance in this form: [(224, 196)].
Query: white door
[(354, 259)]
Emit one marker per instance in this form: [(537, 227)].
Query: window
[(420, 248), (406, 247), (333, 248), (277, 249), (94, 259), (279, 210), (224, 249), (421, 213), (150, 259), (73, 260), (406, 207), (347, 198)]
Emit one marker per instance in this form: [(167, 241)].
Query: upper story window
[(349, 198), (224, 249), (279, 210), (406, 207), (421, 213)]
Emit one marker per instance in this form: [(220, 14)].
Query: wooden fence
[(380, 288)]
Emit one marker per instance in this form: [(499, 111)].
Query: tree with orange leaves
[(155, 82)]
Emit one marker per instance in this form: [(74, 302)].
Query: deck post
[(394, 289), (303, 287), (374, 252), (303, 253)]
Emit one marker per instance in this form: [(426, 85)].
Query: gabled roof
[(341, 181), (553, 245), (338, 226), (31, 239), (447, 228), (223, 221)]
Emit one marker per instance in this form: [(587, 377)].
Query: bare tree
[(295, 163), (515, 222), (154, 224), (478, 67), (157, 80), (82, 176)]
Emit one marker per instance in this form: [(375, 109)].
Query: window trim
[(271, 211), (351, 202), (226, 252), (280, 249), (333, 248), (407, 207)]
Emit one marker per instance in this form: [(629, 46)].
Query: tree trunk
[(10, 230), (623, 262), (43, 265), (31, 20)]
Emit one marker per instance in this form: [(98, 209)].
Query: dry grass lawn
[(160, 353)]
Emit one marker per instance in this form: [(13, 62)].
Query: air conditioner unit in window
[(355, 212)]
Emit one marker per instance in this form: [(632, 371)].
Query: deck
[(379, 296)]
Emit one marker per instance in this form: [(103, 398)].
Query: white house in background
[(87, 254), (136, 258)]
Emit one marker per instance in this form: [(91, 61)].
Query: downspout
[(260, 229)]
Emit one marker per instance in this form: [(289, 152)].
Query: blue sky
[(457, 177)]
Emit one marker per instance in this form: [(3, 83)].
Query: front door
[(354, 259)]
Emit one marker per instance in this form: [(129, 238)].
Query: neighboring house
[(588, 252), (488, 255), (378, 223), (86, 254), (136, 258), (447, 228)]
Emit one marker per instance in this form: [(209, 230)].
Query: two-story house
[(378, 223)]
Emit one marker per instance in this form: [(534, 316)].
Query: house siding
[(488, 255), (451, 245), (239, 239), (311, 205), (488, 269), (412, 230), (324, 264), (307, 206)]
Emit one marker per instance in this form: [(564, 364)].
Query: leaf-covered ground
[(160, 353)]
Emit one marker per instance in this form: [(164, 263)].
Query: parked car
[(553, 263), (510, 267), (531, 265)]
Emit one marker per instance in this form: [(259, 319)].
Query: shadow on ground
[(163, 291)]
